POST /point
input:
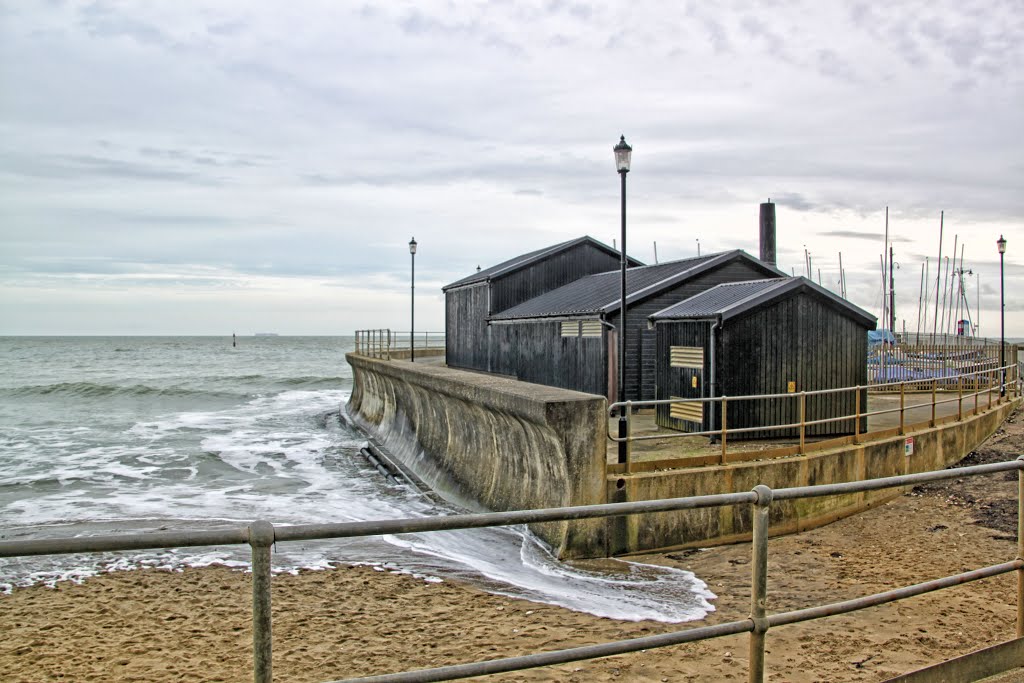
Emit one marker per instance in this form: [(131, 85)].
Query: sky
[(191, 168)]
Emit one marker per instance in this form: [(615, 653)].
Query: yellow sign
[(791, 387), (694, 381)]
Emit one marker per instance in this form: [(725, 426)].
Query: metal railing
[(966, 386), (421, 340), (382, 343), (927, 361), (374, 343), (262, 535)]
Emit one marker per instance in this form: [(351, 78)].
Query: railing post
[(261, 538), (903, 407), (990, 382), (803, 419), (960, 397), (856, 410), (759, 580), (977, 389), (725, 412), (935, 384), (629, 436), (1020, 549)]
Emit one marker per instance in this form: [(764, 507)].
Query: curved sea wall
[(922, 450), (489, 442)]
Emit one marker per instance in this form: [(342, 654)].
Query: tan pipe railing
[(261, 536), (982, 381), (382, 343)]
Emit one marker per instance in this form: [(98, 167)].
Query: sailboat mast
[(938, 266), (921, 297), (944, 325), (885, 279), (892, 293)]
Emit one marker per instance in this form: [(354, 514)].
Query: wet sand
[(152, 625)]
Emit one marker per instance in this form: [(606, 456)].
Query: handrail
[(989, 386), (381, 343), (261, 536)]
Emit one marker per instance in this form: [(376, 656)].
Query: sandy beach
[(150, 625)]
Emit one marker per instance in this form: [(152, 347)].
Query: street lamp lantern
[(1001, 245), (623, 153), (412, 302)]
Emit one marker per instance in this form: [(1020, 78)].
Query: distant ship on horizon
[(265, 334)]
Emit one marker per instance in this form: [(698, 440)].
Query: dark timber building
[(471, 301), (761, 337), (564, 336)]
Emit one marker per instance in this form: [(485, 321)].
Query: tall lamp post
[(412, 303), (622, 157), (1001, 243)]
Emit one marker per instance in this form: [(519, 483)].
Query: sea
[(107, 435)]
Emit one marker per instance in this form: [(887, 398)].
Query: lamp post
[(1001, 243), (412, 303), (622, 157)]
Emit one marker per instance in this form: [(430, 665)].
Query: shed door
[(687, 366)]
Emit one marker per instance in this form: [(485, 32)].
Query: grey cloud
[(71, 166), (797, 202), (832, 65), (206, 157), (416, 23), (103, 22), (226, 28), (85, 164), (856, 235)]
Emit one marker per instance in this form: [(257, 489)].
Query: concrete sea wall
[(491, 442), (494, 443), (933, 449)]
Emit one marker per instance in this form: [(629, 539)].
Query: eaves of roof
[(717, 302), (524, 260)]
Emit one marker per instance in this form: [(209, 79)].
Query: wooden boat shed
[(567, 337), (471, 301), (761, 337)]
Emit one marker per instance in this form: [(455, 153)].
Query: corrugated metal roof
[(734, 298), (600, 293), (715, 300), (526, 259)]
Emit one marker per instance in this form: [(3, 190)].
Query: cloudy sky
[(186, 168)]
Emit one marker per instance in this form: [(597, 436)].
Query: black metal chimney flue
[(768, 232)]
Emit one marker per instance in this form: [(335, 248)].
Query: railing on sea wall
[(374, 343), (262, 535), (965, 390), (421, 340), (908, 361), (384, 342)]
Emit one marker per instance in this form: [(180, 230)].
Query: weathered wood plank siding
[(468, 342), (678, 381), (537, 352), (800, 339), (636, 320), (466, 333), (548, 274)]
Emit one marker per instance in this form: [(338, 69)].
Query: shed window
[(590, 328), (687, 357), (692, 411), (571, 328)]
